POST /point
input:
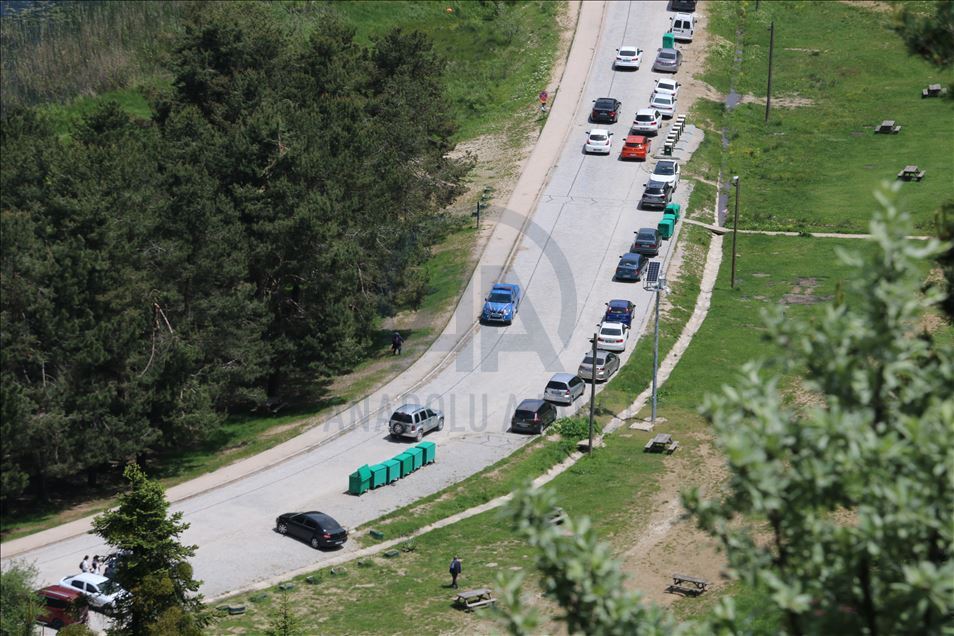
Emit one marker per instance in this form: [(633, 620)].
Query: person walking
[(396, 342), (97, 565), (455, 570), (84, 564)]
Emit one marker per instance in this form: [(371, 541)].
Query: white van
[(682, 25)]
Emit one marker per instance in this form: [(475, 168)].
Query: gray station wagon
[(413, 420)]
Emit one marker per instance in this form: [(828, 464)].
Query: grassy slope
[(813, 167)]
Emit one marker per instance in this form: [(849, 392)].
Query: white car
[(628, 57), (612, 336), (666, 171), (664, 103), (648, 121), (670, 86), (598, 140), (99, 591)]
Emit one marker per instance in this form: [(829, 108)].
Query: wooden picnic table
[(472, 599), (887, 127), (932, 90), (911, 172), (661, 442), (685, 584)]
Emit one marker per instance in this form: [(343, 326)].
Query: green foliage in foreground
[(163, 597), (854, 495), (18, 599)]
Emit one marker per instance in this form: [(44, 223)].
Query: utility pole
[(768, 91), (589, 449), (735, 225), (656, 284), (483, 199)]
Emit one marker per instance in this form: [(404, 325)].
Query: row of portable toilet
[(390, 470), (667, 226)]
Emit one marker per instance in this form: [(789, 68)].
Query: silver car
[(413, 420), (563, 388), (607, 364), (667, 61)]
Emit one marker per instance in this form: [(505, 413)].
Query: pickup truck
[(501, 304)]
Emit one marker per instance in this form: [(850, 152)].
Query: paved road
[(584, 221)]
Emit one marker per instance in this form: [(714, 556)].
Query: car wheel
[(440, 424), (314, 543), (282, 528), (420, 435)]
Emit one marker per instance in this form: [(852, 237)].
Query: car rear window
[(663, 99), (402, 417), (644, 118), (627, 52), (522, 414), (612, 331), (667, 55), (633, 144), (646, 236), (597, 137), (552, 384), (605, 104)]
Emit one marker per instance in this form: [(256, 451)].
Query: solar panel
[(652, 274)]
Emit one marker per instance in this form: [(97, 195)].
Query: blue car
[(630, 267), (501, 304), (620, 311)]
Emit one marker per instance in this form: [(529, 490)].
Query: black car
[(630, 267), (606, 109), (533, 416), (647, 242), (317, 528), (683, 6), (657, 194)]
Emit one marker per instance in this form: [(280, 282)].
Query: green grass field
[(813, 166)]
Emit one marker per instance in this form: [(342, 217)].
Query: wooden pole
[(768, 91), (589, 449)]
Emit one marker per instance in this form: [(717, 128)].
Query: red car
[(61, 606), (635, 147)]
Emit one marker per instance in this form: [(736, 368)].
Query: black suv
[(605, 109), (533, 416), (657, 194), (647, 242), (683, 6)]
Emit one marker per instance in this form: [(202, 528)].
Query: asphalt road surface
[(585, 219)]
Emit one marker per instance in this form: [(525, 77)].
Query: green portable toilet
[(379, 475), (360, 481), (407, 463), (674, 209), (671, 217), (665, 228), (430, 451), (418, 455), (669, 41), (394, 469)]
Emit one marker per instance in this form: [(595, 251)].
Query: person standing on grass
[(455, 570), (396, 342)]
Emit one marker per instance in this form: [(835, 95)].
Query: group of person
[(96, 566)]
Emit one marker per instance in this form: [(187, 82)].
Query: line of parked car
[(503, 301)]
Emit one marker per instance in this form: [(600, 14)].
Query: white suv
[(648, 121)]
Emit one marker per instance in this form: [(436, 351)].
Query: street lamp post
[(735, 225), (589, 448), (656, 284), (483, 199)]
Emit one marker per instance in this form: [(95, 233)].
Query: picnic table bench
[(661, 442), (887, 127), (911, 172), (690, 585), (934, 90), (472, 599)]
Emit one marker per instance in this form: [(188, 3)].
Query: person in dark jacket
[(455, 570), (396, 342)]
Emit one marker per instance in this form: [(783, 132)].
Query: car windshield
[(667, 56), (665, 86), (499, 297), (665, 169), (627, 52), (108, 587), (616, 310), (402, 417), (597, 137)]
